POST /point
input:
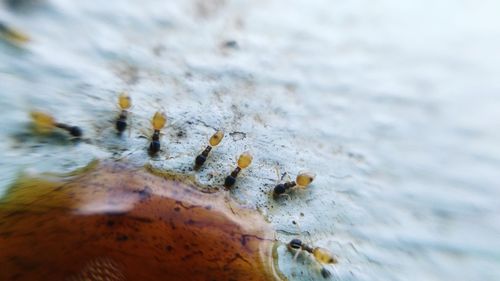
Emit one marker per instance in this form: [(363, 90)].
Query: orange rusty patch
[(117, 222)]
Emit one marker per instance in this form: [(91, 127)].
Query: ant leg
[(230, 207), (279, 176), (325, 272), (322, 269), (144, 134), (296, 223), (296, 255), (286, 195), (130, 152), (130, 124), (277, 169), (336, 273), (288, 178)]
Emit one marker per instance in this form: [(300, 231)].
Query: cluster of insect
[(45, 123)]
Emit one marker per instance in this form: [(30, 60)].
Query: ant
[(13, 35), (302, 181), (321, 255), (45, 123), (159, 120), (214, 140), (243, 162), (124, 103)]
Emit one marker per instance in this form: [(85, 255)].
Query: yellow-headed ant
[(12, 35), (45, 123), (244, 161), (124, 102), (214, 140), (302, 181), (321, 255), (159, 120)]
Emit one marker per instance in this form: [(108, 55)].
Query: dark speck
[(144, 193), (243, 240), (121, 237), (230, 44), (325, 273)]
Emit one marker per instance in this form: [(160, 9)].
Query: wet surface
[(116, 222)]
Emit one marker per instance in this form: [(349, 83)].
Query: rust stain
[(117, 222)]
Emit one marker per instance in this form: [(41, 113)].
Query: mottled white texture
[(394, 104)]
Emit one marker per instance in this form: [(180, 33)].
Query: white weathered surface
[(393, 103)]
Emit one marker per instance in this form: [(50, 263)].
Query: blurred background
[(394, 104)]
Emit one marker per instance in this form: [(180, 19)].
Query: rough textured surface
[(394, 104)]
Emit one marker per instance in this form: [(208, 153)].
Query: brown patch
[(122, 213)]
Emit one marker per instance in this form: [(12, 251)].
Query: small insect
[(321, 255), (159, 120), (124, 102), (302, 181), (244, 161), (214, 140), (45, 123), (12, 35)]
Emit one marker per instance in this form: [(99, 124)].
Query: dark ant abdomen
[(154, 147), (279, 189), (283, 187), (230, 181), (121, 125), (200, 160), (75, 131)]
